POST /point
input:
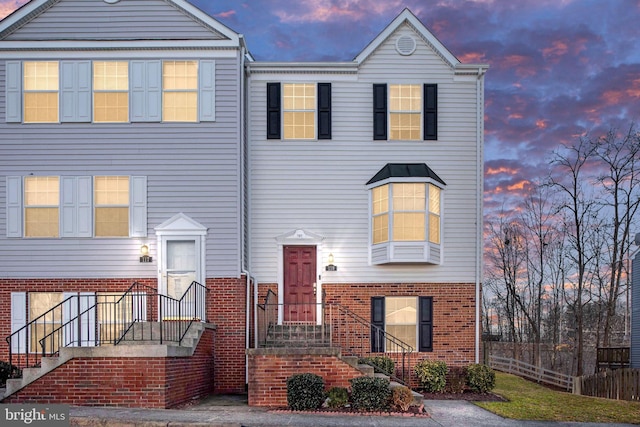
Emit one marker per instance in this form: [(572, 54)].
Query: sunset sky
[(559, 68)]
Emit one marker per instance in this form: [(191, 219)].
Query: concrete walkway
[(232, 411)]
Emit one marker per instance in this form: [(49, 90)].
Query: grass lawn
[(530, 401)]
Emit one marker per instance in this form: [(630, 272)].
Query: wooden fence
[(621, 384), (531, 372)]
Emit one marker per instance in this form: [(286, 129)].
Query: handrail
[(392, 347), (96, 321), (337, 327), (25, 330)]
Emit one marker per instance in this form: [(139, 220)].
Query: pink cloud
[(306, 11), (227, 14), (8, 6)]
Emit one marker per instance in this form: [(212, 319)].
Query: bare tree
[(620, 179), (580, 209)]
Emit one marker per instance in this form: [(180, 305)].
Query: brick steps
[(140, 348)]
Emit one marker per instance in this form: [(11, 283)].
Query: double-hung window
[(111, 204), (405, 206), (405, 112), (298, 111), (41, 206), (41, 84), (180, 91), (111, 91)]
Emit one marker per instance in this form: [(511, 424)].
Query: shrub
[(383, 364), (456, 380), (432, 375), (480, 378), (7, 371), (338, 397), (370, 393), (305, 391), (402, 397)]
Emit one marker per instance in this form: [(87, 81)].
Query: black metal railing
[(267, 317), (330, 325), (98, 319)]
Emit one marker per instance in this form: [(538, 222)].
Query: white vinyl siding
[(321, 188), (122, 20)]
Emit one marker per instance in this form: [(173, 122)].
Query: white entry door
[(181, 268), (181, 258)]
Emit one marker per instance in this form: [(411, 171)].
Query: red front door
[(300, 284)]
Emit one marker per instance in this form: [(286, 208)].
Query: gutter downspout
[(479, 203)]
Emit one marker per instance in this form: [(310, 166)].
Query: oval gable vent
[(406, 45)]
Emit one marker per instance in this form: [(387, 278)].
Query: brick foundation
[(139, 382), (225, 308), (270, 368), (453, 313)]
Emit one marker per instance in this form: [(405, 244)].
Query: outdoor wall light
[(144, 254), (331, 267)]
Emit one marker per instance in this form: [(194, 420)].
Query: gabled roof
[(407, 16), (34, 8), (405, 170)]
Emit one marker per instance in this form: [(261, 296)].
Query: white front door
[(181, 258), (181, 267)]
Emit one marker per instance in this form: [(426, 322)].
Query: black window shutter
[(425, 324), (273, 110), (379, 111), (430, 111), (377, 324), (324, 110)]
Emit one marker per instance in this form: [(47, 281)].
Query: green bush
[(402, 398), (305, 391), (370, 393), (432, 375), (7, 371), (382, 364), (480, 378), (338, 397)]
